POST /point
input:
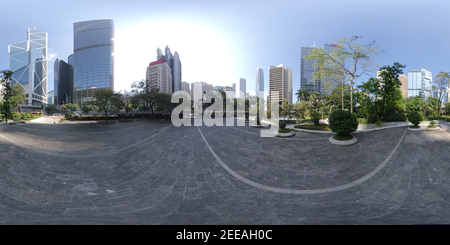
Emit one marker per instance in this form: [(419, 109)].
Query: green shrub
[(68, 115), (393, 116), (415, 117), (432, 124), (316, 117), (343, 123), (378, 122), (363, 121), (284, 130), (282, 124)]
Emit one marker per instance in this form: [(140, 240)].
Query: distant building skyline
[(173, 60)]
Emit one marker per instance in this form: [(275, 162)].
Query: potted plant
[(432, 126), (415, 118), (343, 123)]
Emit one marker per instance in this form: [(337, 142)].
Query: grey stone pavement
[(148, 172)]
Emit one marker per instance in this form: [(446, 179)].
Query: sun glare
[(204, 53)]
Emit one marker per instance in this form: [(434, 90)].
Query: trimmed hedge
[(415, 117), (343, 123)]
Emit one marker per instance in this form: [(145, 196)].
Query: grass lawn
[(323, 127)]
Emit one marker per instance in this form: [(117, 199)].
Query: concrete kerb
[(291, 126)]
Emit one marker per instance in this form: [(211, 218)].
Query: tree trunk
[(342, 95), (351, 95)]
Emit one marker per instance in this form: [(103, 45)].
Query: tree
[(301, 110), (302, 94), (441, 82), (18, 96), (139, 87), (122, 101), (349, 59), (102, 102), (286, 109), (50, 108), (7, 94)]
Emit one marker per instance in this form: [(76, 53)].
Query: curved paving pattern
[(155, 173)]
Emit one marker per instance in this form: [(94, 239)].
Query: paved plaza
[(151, 172)]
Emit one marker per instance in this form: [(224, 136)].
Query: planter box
[(432, 129), (343, 142)]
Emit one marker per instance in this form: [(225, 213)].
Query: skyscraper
[(404, 87), (159, 77), (419, 83), (28, 61), (307, 71), (259, 81), (280, 80), (63, 82), (242, 87), (175, 66), (93, 58)]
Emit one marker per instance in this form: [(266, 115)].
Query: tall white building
[(202, 87), (259, 81), (28, 62), (280, 80), (159, 77)]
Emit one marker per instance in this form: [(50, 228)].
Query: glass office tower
[(92, 59), (28, 61), (63, 82), (419, 83)]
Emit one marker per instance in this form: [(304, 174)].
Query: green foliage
[(323, 127), (394, 116), (68, 115), (343, 122), (342, 137), (415, 117), (378, 122), (101, 103), (50, 108), (282, 124), (316, 117), (18, 96), (363, 121), (7, 94), (432, 124), (284, 130)]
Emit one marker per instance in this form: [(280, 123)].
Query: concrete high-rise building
[(159, 77), (28, 62), (259, 81), (419, 83), (404, 87), (185, 87), (242, 87), (280, 80), (92, 58), (63, 82)]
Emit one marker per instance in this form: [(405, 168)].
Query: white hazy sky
[(220, 42)]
